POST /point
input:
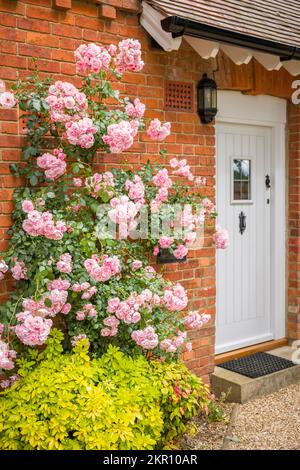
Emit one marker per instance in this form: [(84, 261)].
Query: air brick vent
[(179, 96)]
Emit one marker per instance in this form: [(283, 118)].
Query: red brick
[(13, 6), (7, 20), (12, 34), (107, 11), (35, 51), (68, 31), (32, 25), (62, 4), (41, 39)]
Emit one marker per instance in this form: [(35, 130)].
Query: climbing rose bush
[(70, 271)]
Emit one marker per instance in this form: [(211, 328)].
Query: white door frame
[(261, 110)]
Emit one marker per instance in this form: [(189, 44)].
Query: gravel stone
[(271, 422)]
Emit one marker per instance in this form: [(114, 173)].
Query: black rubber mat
[(257, 365)]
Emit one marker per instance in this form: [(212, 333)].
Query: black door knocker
[(242, 218)]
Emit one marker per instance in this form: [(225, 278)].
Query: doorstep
[(241, 388)]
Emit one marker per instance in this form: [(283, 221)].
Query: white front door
[(244, 314)]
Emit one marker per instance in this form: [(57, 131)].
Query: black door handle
[(242, 224)]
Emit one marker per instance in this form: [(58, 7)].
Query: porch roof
[(275, 20), (261, 27)]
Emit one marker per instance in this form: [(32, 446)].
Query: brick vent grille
[(179, 96)]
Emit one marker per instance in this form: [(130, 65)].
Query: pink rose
[(7, 100), (158, 131), (27, 206)]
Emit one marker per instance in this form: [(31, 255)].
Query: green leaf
[(36, 104), (33, 180)]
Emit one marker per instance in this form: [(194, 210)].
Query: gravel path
[(271, 422)]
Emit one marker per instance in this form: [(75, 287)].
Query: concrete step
[(240, 388)]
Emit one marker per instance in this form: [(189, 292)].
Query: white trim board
[(261, 110)]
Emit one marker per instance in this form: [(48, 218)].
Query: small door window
[(241, 180)]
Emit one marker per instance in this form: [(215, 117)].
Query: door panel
[(243, 270)]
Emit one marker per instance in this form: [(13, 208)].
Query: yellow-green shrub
[(69, 401)]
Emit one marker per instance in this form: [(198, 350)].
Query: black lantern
[(207, 99)]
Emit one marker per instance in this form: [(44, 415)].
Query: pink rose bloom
[(42, 224), (189, 346), (92, 58), (99, 183), (66, 309), (81, 132), (195, 321), (77, 182), (123, 213), (180, 252), (110, 267), (80, 315), (66, 102), (111, 321), (129, 56), (58, 299), (136, 109), (136, 264), (58, 284), (165, 242), (54, 167), (175, 298), (200, 181), (181, 169), (33, 330), (146, 338), (64, 265), (174, 163), (136, 189), (221, 238), (168, 346), (88, 293), (120, 136), (108, 331), (113, 304), (208, 205), (19, 271), (161, 179), (155, 250), (7, 356), (3, 268), (190, 238), (158, 131), (27, 206), (7, 100)]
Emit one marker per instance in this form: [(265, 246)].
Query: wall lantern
[(206, 99)]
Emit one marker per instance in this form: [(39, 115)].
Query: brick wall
[(293, 315), (50, 30)]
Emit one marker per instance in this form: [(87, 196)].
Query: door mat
[(257, 365)]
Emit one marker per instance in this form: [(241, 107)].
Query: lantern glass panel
[(214, 98), (207, 98)]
